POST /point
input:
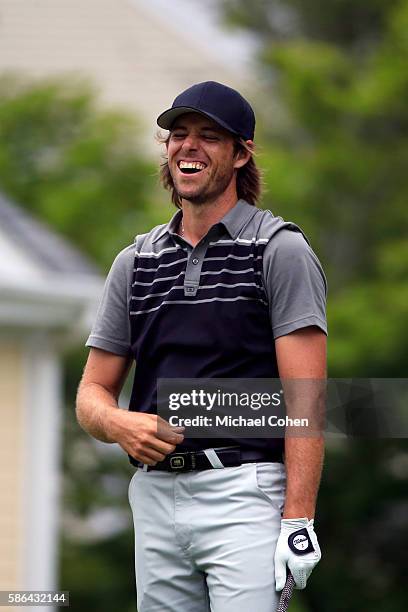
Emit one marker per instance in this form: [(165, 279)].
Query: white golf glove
[(298, 549)]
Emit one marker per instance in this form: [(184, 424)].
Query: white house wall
[(137, 59)]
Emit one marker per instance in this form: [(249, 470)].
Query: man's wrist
[(108, 423), (294, 512)]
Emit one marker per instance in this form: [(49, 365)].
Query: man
[(224, 290)]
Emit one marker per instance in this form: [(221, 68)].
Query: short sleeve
[(111, 328), (295, 284)]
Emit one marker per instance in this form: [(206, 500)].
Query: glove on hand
[(297, 548)]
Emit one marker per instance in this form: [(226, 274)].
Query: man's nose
[(190, 142)]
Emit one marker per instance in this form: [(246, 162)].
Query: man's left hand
[(298, 549)]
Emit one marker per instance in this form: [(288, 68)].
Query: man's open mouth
[(192, 167)]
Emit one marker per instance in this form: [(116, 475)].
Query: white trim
[(172, 263), (150, 295), (233, 257), (206, 259), (153, 295), (42, 431), (242, 241), (192, 303), (227, 285), (229, 271), (158, 280), (52, 287), (151, 254), (51, 302)]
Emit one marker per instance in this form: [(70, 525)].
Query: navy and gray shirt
[(212, 311)]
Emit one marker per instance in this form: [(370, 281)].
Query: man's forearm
[(94, 407), (304, 463)]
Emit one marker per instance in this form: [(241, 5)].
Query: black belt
[(230, 456)]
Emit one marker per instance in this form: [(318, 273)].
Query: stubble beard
[(210, 191)]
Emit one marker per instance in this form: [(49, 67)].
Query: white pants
[(205, 541)]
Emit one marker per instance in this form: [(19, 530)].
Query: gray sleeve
[(295, 284), (111, 328)]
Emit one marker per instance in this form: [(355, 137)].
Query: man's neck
[(198, 219)]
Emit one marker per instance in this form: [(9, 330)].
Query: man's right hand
[(145, 437)]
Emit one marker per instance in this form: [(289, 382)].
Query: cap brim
[(167, 118)]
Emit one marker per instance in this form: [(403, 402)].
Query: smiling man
[(224, 290), (201, 161)]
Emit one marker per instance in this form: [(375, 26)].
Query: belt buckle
[(178, 463)]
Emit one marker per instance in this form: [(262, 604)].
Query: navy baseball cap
[(218, 102)]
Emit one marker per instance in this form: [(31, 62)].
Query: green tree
[(333, 136), (78, 167), (334, 147), (352, 24)]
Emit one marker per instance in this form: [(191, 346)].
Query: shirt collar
[(238, 217), (171, 226), (233, 221)]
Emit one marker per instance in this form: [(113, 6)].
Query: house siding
[(11, 464), (137, 60)]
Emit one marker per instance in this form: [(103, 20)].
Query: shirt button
[(195, 261)]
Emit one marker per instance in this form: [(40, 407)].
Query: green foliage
[(99, 575), (337, 164), (354, 24), (362, 527), (335, 156), (76, 166)]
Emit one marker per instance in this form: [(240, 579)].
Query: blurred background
[(81, 84)]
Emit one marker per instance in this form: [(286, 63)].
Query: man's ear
[(243, 156)]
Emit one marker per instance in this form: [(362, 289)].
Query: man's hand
[(145, 437), (298, 549)]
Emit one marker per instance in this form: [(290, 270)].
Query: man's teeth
[(191, 165)]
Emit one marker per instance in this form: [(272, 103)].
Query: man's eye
[(211, 137), (177, 135)]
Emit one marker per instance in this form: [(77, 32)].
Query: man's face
[(200, 157)]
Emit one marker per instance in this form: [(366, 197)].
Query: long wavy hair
[(249, 177)]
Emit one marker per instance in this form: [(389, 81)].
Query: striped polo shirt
[(205, 312)]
